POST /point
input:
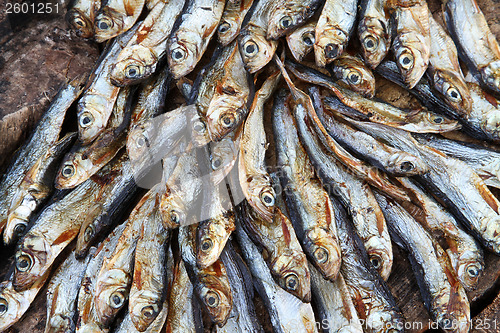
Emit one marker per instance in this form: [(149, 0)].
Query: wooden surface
[(42, 55)]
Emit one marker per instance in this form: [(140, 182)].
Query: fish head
[(261, 196), (227, 30), (255, 50), (491, 123), (286, 17), (301, 41), (90, 119), (31, 261), (22, 206), (225, 113), (211, 238), (412, 56), (111, 294), (86, 234), (491, 75), (215, 294), (60, 323), (329, 45), (74, 170), (133, 65), (433, 123), (375, 40), (402, 163), (454, 90), (353, 72), (182, 57), (172, 209), (12, 305), (81, 23), (198, 129), (108, 24), (324, 250), (380, 256), (469, 266), (144, 308), (292, 274)]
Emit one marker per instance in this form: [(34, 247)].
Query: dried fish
[(116, 17), (232, 18), (301, 40), (286, 16), (353, 73), (81, 16)]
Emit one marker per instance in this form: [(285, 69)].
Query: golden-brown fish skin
[(411, 45), (352, 71), (374, 31), (333, 30), (187, 44), (116, 17), (301, 40), (232, 18), (286, 16), (81, 17)]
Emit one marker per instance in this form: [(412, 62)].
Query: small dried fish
[(421, 121), (232, 18), (465, 253), (369, 293), (285, 16), (35, 188), (283, 308), (116, 17), (255, 49), (374, 31), (301, 40), (13, 303), (139, 59), (210, 284), (62, 294), (81, 16), (353, 73), (444, 296), (335, 25), (43, 137), (308, 204), (254, 178), (477, 46), (412, 41), (96, 105), (190, 37), (444, 70)]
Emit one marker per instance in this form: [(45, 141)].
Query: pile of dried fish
[(136, 210)]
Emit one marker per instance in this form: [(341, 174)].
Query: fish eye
[(407, 166), (206, 245), (4, 306), (89, 232), (140, 142), (473, 271), (321, 255), (453, 94), (104, 24), (285, 22), (148, 311), (227, 119), (132, 71), (79, 22), (116, 300), (199, 126), (267, 199), (437, 120), (406, 60), (308, 38), (212, 299), (178, 54), (216, 163), (370, 43), (174, 217), (375, 261), (224, 27), (86, 119), (23, 263), (251, 48), (354, 76), (19, 229), (332, 51), (68, 171), (292, 282)]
